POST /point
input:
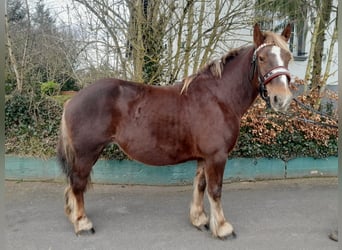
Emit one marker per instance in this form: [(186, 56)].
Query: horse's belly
[(155, 143), (157, 155)]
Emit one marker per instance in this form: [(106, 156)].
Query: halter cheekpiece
[(269, 76)]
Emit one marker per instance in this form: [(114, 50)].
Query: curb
[(134, 173)]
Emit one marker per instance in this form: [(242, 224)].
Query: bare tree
[(328, 65), (13, 60), (160, 41), (18, 16), (324, 9), (38, 51), (308, 72)]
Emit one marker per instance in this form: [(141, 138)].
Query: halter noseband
[(269, 76)]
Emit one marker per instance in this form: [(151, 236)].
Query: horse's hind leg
[(74, 209), (74, 199), (214, 175), (198, 216)]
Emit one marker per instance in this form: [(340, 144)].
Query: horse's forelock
[(277, 40)]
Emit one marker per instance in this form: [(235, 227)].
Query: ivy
[(31, 125)]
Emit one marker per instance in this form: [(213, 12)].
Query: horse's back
[(133, 115), (89, 114)]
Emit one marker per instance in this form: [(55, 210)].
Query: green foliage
[(49, 88), (18, 117), (31, 125), (61, 98), (10, 83), (112, 151), (70, 84)]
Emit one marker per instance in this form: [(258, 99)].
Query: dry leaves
[(266, 125)]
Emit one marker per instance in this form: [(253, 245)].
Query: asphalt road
[(290, 214)]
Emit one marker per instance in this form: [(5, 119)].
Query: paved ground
[(291, 214)]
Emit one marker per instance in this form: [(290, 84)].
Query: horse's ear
[(287, 32), (258, 36)]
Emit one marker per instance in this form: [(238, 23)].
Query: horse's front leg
[(214, 170), (198, 216)]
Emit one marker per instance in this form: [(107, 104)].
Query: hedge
[(32, 127)]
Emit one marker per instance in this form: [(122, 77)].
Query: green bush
[(31, 125), (70, 84), (10, 84), (49, 88)]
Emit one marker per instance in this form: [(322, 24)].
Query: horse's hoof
[(333, 236), (229, 237), (83, 232), (205, 226)]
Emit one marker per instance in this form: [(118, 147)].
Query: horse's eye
[(261, 59)]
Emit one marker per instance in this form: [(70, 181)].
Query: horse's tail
[(65, 150)]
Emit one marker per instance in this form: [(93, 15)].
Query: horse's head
[(271, 58)]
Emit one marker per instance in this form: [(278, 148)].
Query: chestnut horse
[(196, 119)]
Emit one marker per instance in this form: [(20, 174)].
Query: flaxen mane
[(215, 67)]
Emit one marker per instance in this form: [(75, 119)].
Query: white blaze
[(276, 52)]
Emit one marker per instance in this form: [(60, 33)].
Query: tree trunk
[(147, 30), (213, 34), (200, 39), (330, 55), (12, 58), (308, 76), (179, 46), (325, 12), (136, 40), (189, 37), (328, 66), (153, 34)]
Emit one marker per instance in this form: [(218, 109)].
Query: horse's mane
[(215, 67)]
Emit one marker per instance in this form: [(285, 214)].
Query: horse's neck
[(240, 90)]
